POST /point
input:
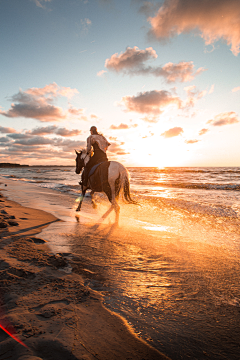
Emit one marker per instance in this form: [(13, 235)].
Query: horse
[(110, 177)]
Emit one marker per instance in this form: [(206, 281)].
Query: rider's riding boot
[(81, 181)]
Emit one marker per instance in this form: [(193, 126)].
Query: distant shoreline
[(12, 165)]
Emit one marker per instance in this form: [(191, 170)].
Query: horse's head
[(79, 161)]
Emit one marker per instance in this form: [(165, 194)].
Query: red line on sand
[(14, 337)]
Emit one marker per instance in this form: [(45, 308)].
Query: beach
[(48, 311), (164, 281)]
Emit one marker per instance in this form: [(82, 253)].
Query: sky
[(160, 80)]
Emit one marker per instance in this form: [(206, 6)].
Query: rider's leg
[(82, 177), (87, 168), (85, 176)]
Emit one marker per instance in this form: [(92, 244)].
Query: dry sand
[(50, 311)]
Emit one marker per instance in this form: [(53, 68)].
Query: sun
[(157, 152)]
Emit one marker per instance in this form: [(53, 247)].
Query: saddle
[(91, 172)]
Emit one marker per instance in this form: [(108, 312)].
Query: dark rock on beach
[(13, 223)]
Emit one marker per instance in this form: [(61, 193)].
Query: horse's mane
[(83, 151)]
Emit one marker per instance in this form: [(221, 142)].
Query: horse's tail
[(125, 184)]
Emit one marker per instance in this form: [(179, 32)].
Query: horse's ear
[(76, 152)]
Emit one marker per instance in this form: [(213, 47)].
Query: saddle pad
[(94, 168)]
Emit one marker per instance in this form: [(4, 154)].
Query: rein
[(85, 159)]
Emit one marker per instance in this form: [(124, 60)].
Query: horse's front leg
[(81, 200), (114, 204), (94, 205)]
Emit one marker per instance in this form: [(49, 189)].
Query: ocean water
[(212, 193), (172, 267), (213, 190)]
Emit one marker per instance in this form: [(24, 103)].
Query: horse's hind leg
[(107, 212), (117, 210), (114, 206), (114, 202)]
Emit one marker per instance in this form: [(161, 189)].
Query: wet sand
[(167, 273), (49, 312)]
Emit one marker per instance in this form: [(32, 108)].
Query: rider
[(100, 145)]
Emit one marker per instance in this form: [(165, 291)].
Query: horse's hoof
[(77, 209)]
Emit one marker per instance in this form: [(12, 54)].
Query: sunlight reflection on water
[(156, 228)]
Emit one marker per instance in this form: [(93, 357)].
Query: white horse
[(110, 177)]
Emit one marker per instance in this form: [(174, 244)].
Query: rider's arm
[(89, 144)]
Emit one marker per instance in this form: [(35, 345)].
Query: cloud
[(34, 140), (150, 102), (54, 130), (122, 126), (212, 89), (44, 113), (86, 23), (227, 118), (75, 112), (172, 132), (151, 119), (43, 130), (116, 148), (101, 73), (193, 95), (67, 133), (37, 103), (192, 91), (29, 149), (183, 71), (132, 62), (236, 89), (147, 136), (68, 145), (212, 20), (131, 58), (191, 141), (19, 136), (43, 147), (40, 3), (4, 140), (93, 116), (203, 131), (7, 130), (49, 91)]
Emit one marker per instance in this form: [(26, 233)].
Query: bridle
[(82, 158)]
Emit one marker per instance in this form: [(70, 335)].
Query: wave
[(196, 208), (180, 170), (205, 186)]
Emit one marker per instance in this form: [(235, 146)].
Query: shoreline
[(51, 311)]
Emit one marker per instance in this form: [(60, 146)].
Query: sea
[(178, 284)]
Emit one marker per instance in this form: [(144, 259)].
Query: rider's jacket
[(100, 140)]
